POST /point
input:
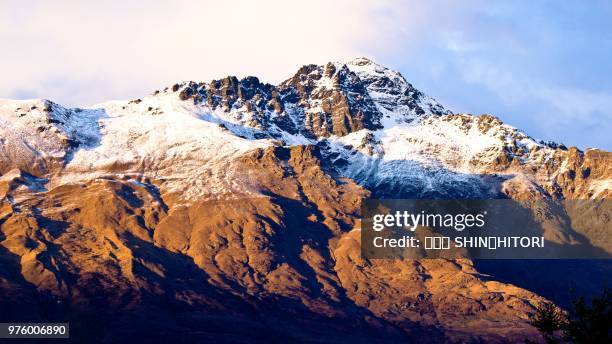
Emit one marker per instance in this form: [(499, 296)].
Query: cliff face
[(230, 209)]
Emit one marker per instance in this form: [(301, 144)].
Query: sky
[(541, 66)]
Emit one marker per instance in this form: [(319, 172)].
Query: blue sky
[(542, 66)]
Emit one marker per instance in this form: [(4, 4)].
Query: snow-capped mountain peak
[(370, 123)]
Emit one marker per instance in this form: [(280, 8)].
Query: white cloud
[(573, 115), (76, 51), (567, 103)]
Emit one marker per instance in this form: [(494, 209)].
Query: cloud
[(119, 49), (548, 110)]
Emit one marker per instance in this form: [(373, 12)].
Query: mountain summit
[(318, 101), (369, 122)]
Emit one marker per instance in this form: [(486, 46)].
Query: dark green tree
[(590, 323), (587, 322), (549, 320)]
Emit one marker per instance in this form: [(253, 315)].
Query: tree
[(549, 320), (585, 323), (590, 323)]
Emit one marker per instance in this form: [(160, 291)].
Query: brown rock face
[(117, 244), (339, 107), (580, 168)]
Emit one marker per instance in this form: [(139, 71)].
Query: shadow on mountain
[(408, 179), (19, 300), (560, 280), (87, 135)]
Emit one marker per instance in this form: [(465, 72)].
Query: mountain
[(229, 210)]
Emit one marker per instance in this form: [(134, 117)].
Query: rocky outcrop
[(334, 100), (318, 101)]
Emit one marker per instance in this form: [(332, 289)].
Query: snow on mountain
[(371, 123), (437, 153), (167, 139), (39, 134)]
